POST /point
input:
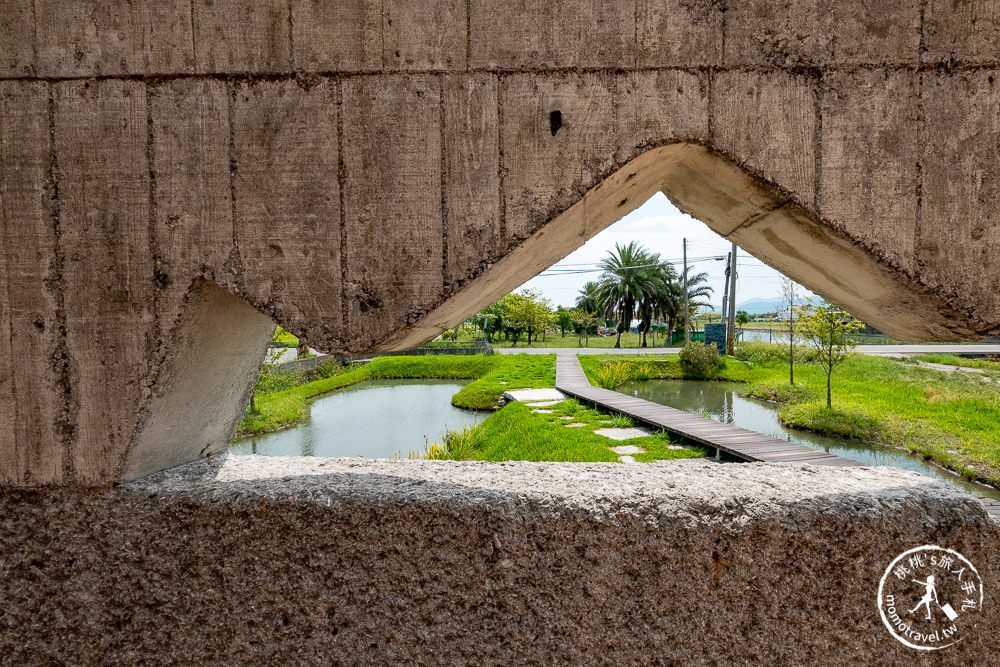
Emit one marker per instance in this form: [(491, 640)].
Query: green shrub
[(272, 381), (329, 369), (700, 361), (761, 353), (611, 375)]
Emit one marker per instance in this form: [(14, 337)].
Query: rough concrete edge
[(425, 328)]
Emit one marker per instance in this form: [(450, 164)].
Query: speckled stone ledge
[(252, 560)]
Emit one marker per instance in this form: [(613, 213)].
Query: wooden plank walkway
[(736, 441), (992, 508)]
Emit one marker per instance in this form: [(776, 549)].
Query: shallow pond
[(718, 401), (374, 419)]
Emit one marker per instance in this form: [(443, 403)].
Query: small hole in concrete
[(622, 203), (555, 121)]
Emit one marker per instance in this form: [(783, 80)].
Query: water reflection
[(377, 419), (718, 401)]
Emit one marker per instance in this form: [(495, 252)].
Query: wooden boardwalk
[(736, 441), (992, 508)]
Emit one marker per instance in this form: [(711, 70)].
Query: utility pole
[(731, 327), (687, 310), (725, 294)]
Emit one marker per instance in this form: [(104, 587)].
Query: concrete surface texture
[(254, 560), (367, 174)]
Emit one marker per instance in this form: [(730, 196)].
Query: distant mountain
[(757, 305)]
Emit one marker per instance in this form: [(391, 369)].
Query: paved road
[(992, 348)]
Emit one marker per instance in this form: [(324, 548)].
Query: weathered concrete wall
[(325, 561), (367, 174)]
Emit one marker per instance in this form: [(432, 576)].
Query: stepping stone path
[(623, 433), (534, 395), (570, 418), (628, 449), (626, 459), (543, 412), (542, 404), (574, 424)]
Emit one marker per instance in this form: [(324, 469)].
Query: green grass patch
[(522, 371), (515, 433), (950, 418), (955, 360), (287, 406), (817, 417)]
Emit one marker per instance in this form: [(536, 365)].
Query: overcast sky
[(660, 227)]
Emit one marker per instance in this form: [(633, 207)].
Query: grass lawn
[(515, 433), (492, 374), (951, 418)]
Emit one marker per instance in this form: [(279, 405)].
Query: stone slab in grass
[(628, 449), (568, 417), (542, 404), (623, 433), (543, 412), (528, 395), (575, 425), (626, 459)]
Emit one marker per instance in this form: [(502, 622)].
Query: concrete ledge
[(261, 560)]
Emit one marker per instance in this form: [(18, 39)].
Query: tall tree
[(669, 302), (583, 324), (789, 299), (588, 299), (661, 277), (563, 318), (626, 275), (829, 330), (527, 313)]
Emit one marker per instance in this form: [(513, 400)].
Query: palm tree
[(668, 303), (660, 279), (627, 277), (587, 301)]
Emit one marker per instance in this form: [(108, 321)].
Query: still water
[(718, 401), (376, 419)]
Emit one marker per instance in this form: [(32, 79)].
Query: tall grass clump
[(455, 445), (642, 371), (611, 375), (621, 421)]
